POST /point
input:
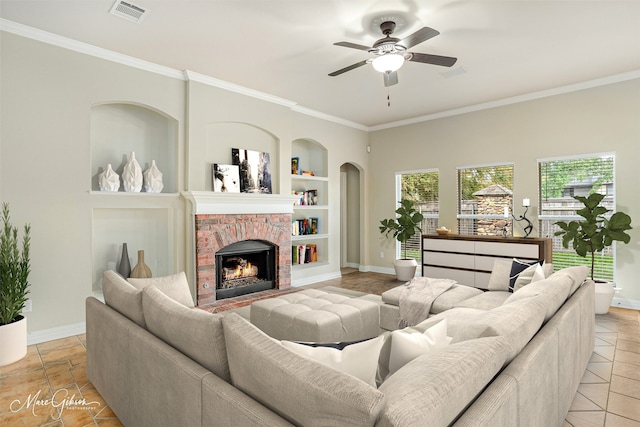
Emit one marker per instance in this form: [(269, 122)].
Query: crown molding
[(186, 75), (87, 49), (513, 100), (211, 81)]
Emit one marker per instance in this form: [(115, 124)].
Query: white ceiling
[(285, 48)]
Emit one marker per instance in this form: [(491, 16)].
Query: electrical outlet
[(158, 262), (381, 254), (27, 306)]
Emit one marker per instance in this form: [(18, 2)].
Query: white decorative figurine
[(153, 179), (132, 175), (109, 180)]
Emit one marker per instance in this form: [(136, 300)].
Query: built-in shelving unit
[(145, 221), (312, 157)]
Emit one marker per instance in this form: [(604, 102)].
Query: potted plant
[(402, 228), (14, 287), (592, 234)]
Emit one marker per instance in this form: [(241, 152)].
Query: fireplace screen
[(245, 267)]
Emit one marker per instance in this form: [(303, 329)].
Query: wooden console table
[(469, 259)]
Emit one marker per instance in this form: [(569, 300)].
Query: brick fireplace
[(222, 219)]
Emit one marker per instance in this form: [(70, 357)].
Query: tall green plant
[(14, 268), (405, 225), (595, 232)]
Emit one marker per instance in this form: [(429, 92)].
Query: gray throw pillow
[(123, 297), (298, 389), (174, 286), (195, 332)]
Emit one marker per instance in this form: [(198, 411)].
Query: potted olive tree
[(14, 287), (592, 234), (402, 228)]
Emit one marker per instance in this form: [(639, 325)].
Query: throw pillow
[(302, 391), (407, 345), (517, 267), (174, 286), (359, 358), (499, 279), (123, 297), (529, 275)]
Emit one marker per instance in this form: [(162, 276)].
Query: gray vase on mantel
[(125, 266)]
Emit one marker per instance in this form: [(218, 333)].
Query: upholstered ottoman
[(316, 316)]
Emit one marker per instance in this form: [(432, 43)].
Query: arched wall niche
[(221, 137), (119, 128), (312, 154)]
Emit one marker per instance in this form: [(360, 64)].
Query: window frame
[(398, 196), (461, 216), (542, 217)]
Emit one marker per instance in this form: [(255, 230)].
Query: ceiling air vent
[(128, 11)]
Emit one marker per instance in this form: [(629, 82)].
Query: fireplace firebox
[(245, 267)]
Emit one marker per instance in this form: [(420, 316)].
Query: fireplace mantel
[(208, 202)]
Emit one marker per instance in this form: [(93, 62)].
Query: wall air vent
[(128, 11)]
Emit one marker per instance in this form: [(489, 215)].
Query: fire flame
[(243, 271)]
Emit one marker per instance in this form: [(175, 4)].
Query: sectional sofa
[(160, 362)]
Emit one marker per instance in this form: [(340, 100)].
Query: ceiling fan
[(390, 52)]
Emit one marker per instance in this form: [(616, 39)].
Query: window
[(485, 199), (422, 187), (560, 179)]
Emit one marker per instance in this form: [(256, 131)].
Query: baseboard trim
[(376, 269), (315, 279), (632, 304), (56, 333)]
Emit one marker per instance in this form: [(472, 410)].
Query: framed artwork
[(255, 170), (225, 178)]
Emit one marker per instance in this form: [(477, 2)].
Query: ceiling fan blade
[(349, 68), (445, 61), (352, 45), (424, 33), (390, 78)]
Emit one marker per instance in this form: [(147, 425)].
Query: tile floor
[(609, 395)]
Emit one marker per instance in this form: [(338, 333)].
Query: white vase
[(153, 179), (604, 295), (109, 180), (13, 341), (132, 175), (405, 269)]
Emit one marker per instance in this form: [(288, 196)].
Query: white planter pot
[(405, 269), (13, 341), (604, 296)]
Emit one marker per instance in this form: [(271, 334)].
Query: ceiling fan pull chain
[(388, 99)]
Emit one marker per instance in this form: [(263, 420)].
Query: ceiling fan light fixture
[(389, 62)]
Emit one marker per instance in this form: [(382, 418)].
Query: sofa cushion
[(302, 391), (174, 286), (553, 291), (486, 300), (578, 274), (433, 389), (123, 297), (359, 359), (443, 302), (453, 296), (407, 344), (518, 322), (517, 267), (196, 333)]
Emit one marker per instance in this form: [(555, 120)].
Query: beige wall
[(45, 170), (601, 119)]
